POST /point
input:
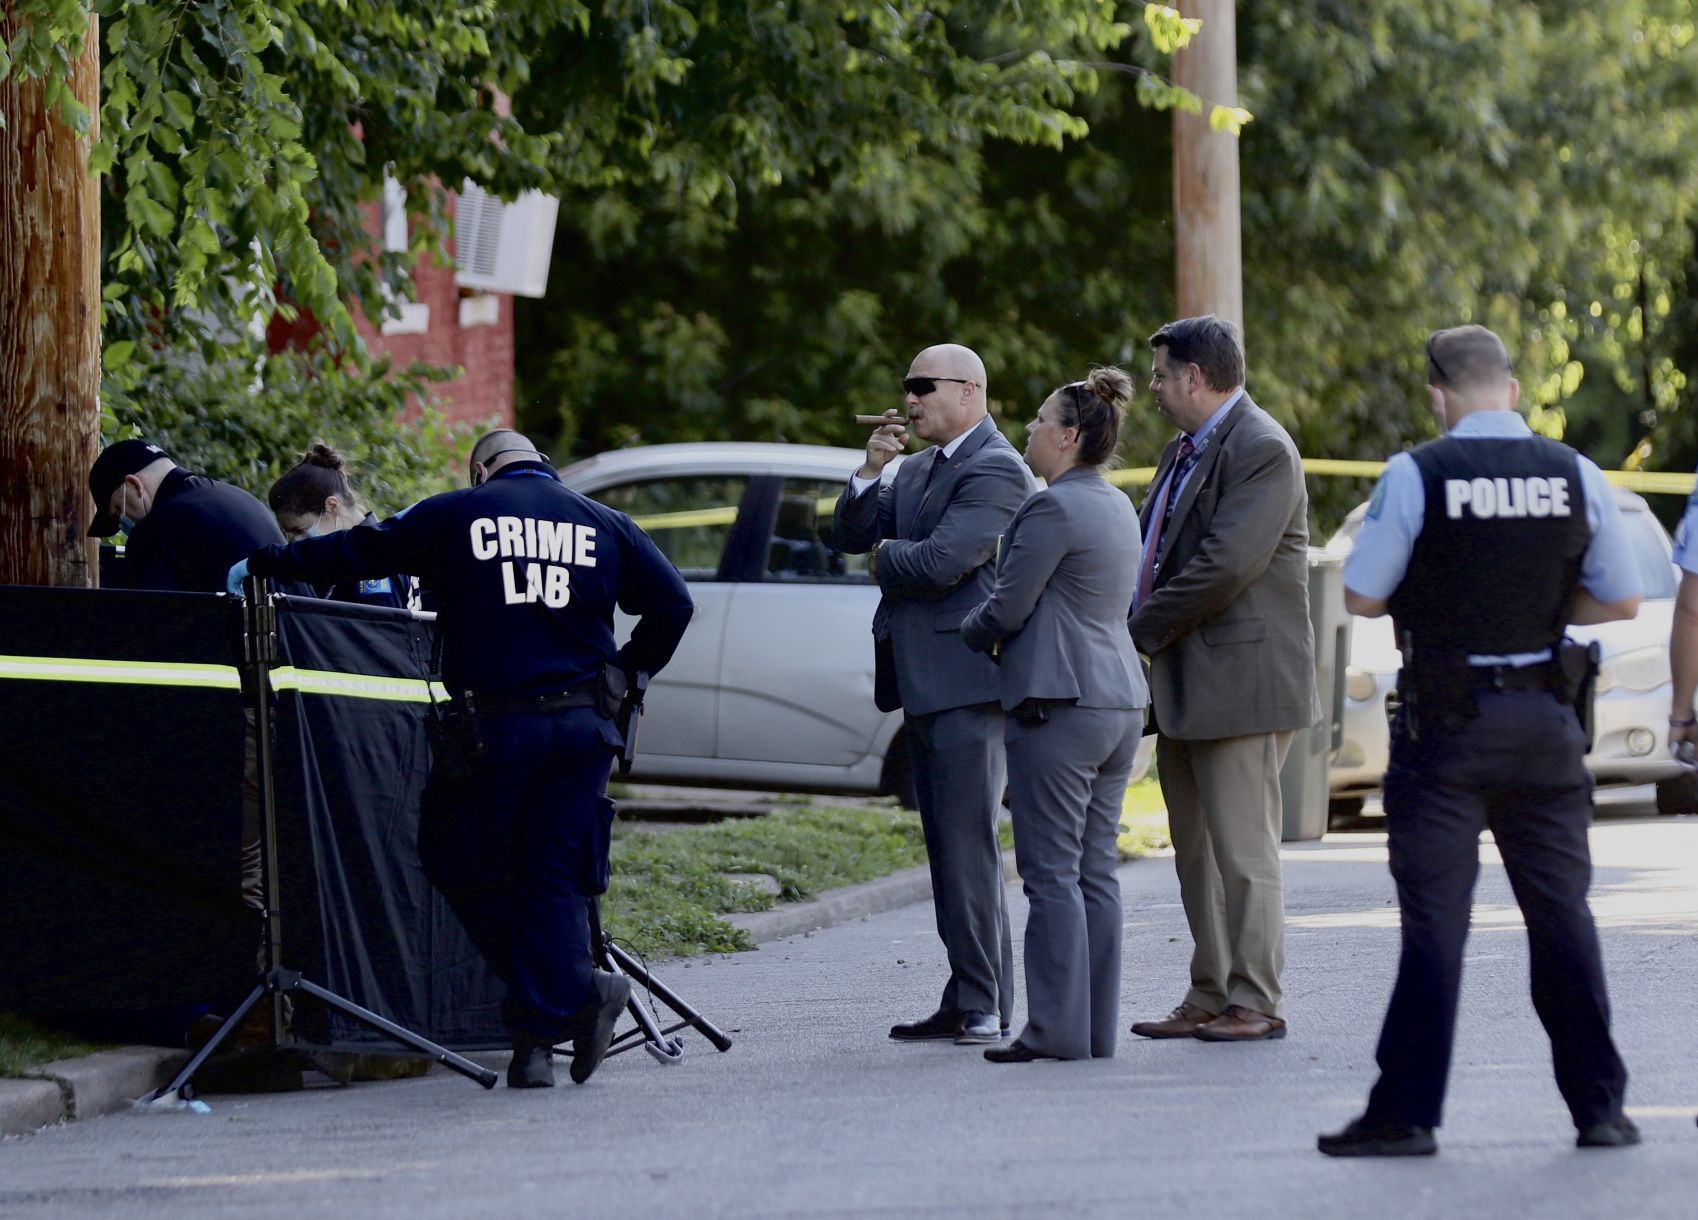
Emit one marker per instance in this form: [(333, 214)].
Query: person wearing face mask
[(1074, 694), (182, 531), (316, 497)]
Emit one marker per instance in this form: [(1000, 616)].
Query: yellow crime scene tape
[(1645, 482), (217, 677)]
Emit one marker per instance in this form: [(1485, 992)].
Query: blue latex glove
[(233, 582)]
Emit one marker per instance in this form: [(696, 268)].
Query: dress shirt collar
[(949, 449), (1209, 425)]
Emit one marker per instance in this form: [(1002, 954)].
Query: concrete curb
[(107, 1081), (851, 902), (70, 1089)]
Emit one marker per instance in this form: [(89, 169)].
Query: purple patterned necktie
[(1159, 515)]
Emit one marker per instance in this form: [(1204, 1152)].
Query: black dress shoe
[(592, 1030), (1015, 1052), (1617, 1132), (532, 1066), (1376, 1137), (939, 1025)]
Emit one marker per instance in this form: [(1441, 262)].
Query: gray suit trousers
[(958, 776), (1067, 781), (1224, 811)]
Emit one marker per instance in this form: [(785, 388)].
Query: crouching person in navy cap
[(515, 824), (1483, 546)]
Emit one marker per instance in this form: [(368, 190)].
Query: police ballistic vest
[(1498, 558)]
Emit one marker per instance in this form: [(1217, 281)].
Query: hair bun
[(1112, 385), (322, 454)]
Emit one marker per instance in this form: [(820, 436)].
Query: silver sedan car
[(772, 686), (1631, 711)]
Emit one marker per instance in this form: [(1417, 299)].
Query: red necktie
[(1159, 514)]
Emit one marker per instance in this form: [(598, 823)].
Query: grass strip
[(671, 892), (24, 1045)]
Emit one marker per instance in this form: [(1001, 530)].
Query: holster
[(1576, 671), (613, 687), (1436, 693), (456, 743)]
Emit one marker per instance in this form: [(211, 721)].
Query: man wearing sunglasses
[(933, 528)]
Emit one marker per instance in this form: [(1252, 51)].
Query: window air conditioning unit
[(503, 247)]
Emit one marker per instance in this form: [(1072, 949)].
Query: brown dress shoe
[(1182, 1022), (1240, 1024)]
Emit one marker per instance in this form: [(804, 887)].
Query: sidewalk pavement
[(108, 1081), (69, 1089), (815, 1112)]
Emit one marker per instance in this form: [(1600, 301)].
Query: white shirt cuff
[(858, 485)]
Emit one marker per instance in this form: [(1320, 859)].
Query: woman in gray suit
[(1075, 695)]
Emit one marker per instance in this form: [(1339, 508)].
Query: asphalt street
[(815, 1113)]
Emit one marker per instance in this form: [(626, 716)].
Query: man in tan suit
[(1222, 612)]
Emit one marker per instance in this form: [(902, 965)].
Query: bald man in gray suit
[(933, 530)]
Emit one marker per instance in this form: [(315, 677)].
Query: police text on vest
[(554, 546), (1532, 496)]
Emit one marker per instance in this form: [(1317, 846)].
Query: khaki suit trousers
[(1225, 814)]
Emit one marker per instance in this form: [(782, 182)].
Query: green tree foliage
[(245, 141), (1414, 163), (247, 418)]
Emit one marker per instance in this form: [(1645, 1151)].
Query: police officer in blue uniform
[(1483, 545), (182, 531), (514, 829)]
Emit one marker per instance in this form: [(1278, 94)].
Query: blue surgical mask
[(312, 531)]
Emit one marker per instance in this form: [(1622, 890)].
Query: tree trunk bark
[(49, 331), (1208, 250)]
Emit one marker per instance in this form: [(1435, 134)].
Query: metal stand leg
[(656, 1040)]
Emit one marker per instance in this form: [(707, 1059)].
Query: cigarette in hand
[(879, 421)]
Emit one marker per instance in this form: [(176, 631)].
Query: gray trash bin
[(1303, 783)]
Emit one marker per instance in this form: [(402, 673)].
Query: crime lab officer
[(514, 829), (1483, 545), (182, 531), (316, 496)]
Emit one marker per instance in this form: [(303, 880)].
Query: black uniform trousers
[(517, 841), (1517, 769)]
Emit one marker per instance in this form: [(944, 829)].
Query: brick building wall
[(447, 327)]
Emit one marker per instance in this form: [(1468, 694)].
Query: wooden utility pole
[(1209, 253), (49, 330)]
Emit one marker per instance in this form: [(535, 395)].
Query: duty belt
[(474, 704), (1537, 676)]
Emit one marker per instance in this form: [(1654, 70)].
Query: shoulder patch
[(1377, 501)]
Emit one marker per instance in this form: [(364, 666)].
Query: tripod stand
[(259, 652), (657, 1041)]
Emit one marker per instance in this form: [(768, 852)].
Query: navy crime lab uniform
[(195, 529), (1478, 541), (526, 575)]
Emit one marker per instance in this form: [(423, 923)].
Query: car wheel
[(1677, 796), (899, 774), (1343, 811)]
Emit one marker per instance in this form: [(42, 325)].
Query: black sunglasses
[(919, 387)]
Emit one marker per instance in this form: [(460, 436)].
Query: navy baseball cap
[(115, 461)]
